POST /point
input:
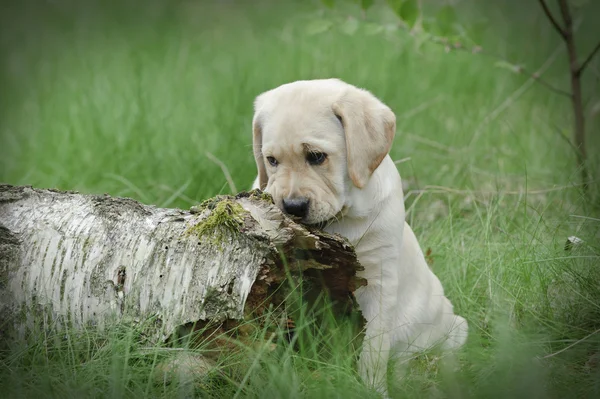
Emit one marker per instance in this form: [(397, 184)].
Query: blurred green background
[(128, 97)]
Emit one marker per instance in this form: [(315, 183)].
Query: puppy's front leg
[(373, 362), (372, 365)]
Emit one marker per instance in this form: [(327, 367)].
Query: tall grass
[(128, 98)]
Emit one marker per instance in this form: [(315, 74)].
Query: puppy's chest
[(352, 230), (375, 248), (365, 240)]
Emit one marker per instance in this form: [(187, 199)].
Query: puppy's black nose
[(296, 206)]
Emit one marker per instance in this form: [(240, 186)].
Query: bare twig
[(585, 63), (513, 97), (544, 83), (479, 50), (575, 94), (576, 90), (566, 14), (553, 20), (520, 69), (225, 171)]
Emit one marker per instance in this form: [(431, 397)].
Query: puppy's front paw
[(457, 334), (372, 370)]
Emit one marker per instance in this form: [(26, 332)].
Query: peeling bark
[(75, 261)]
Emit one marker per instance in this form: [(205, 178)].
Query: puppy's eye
[(272, 161), (316, 158)]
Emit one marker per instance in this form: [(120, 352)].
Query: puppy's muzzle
[(296, 206)]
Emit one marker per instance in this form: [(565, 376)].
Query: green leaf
[(395, 5), (328, 3), (318, 26), (421, 39), (409, 12), (446, 18), (366, 4), (429, 25), (371, 28), (476, 30), (349, 26)]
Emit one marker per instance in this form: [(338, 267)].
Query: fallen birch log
[(75, 261)]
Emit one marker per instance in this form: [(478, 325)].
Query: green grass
[(127, 98)]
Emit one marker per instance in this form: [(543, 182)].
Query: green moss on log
[(226, 219)]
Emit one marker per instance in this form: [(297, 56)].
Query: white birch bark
[(85, 260)]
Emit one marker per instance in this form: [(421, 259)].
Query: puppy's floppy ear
[(257, 148), (369, 127)]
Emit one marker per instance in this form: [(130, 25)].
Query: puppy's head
[(314, 139)]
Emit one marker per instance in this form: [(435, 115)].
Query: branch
[(554, 22), (478, 50), (566, 14), (514, 96), (535, 76), (585, 63)]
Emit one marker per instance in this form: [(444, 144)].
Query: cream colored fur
[(357, 191)]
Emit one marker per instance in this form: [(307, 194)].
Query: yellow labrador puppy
[(321, 148)]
